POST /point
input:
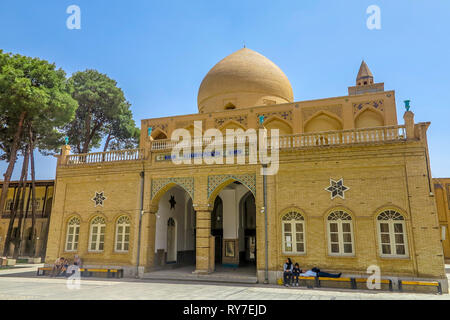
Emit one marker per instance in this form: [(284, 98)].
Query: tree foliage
[(103, 112), (35, 101)]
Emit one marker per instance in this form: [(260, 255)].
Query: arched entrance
[(175, 230), (233, 224)]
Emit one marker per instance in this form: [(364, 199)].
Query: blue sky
[(159, 51)]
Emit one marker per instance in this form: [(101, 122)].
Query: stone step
[(197, 277)]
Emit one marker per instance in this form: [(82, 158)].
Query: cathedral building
[(353, 187)]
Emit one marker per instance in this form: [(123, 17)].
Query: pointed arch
[(160, 186), (190, 128), (276, 122), (369, 117), (231, 124), (219, 182), (159, 134), (323, 121)]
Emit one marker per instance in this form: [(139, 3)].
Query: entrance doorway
[(217, 229), (247, 232), (175, 230), (233, 224)]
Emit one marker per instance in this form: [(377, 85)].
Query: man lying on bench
[(315, 272)]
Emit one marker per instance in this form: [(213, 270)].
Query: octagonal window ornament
[(337, 188), (99, 198)]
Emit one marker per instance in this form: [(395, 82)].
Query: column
[(204, 241), (408, 117)]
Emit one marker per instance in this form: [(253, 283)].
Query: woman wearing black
[(287, 272)]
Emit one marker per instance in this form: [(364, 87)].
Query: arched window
[(73, 232), (392, 234), (293, 225), (97, 238), (340, 233), (122, 234)]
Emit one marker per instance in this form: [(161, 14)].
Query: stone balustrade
[(110, 156), (340, 137), (303, 140), (343, 137)]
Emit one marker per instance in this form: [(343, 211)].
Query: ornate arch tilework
[(378, 104), (186, 182), (241, 119), (309, 112), (286, 115), (249, 180)]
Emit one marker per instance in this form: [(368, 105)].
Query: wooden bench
[(352, 282), (88, 272), (436, 284)]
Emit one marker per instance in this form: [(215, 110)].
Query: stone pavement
[(23, 284)]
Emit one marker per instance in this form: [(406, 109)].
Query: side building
[(442, 187), (44, 198)]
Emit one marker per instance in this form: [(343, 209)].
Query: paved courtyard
[(21, 283)]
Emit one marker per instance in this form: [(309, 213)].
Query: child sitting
[(295, 274)]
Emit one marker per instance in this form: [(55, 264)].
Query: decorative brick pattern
[(186, 182), (242, 119), (309, 112), (286, 115), (378, 104), (248, 180)]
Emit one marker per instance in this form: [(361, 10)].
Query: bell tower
[(365, 82)]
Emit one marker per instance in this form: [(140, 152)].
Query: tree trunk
[(33, 197), (12, 161), (19, 196), (12, 217), (108, 140), (87, 133), (18, 239)]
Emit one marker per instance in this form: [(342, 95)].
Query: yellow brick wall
[(379, 177)]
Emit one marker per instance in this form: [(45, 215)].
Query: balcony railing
[(303, 140), (328, 138), (343, 137), (111, 156)]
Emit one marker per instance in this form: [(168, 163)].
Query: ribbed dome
[(243, 79)]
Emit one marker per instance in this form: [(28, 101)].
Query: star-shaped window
[(337, 188), (99, 198), (172, 202)]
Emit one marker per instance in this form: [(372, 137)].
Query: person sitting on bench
[(77, 259), (58, 267), (315, 272), (72, 269), (295, 274), (287, 272)]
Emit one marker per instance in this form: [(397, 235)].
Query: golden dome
[(241, 80)]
